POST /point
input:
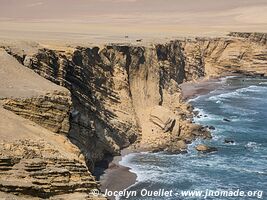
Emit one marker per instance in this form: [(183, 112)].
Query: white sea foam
[(126, 161), (241, 92), (238, 111), (204, 116), (252, 145), (224, 96), (194, 99), (144, 172), (200, 111), (252, 88), (219, 102)]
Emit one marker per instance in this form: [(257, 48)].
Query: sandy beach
[(201, 87), (117, 177)]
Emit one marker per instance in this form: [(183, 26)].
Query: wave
[(144, 171), (224, 96), (252, 88), (204, 116), (252, 145), (238, 113), (241, 92), (194, 99)]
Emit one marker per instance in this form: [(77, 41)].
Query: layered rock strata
[(37, 160)]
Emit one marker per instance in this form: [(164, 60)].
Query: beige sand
[(200, 87), (94, 21), (117, 177), (18, 81)]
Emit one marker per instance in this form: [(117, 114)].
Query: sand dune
[(111, 20)]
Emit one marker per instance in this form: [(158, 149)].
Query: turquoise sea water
[(239, 166)]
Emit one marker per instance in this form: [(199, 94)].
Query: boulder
[(226, 120), (177, 147), (229, 141), (176, 128), (195, 130), (163, 118), (205, 149), (211, 127)]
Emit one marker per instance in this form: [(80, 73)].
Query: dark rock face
[(171, 53)]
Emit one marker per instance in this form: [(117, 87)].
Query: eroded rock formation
[(116, 88), (37, 160)]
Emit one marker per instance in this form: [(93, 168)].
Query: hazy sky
[(139, 15)]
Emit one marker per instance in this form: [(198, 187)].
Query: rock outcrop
[(37, 160), (205, 149), (37, 169), (163, 118), (52, 111)]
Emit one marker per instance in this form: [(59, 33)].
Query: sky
[(134, 16)]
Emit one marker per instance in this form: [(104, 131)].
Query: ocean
[(237, 171)]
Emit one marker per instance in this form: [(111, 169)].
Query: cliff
[(36, 158), (125, 94)]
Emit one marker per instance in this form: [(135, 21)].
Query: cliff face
[(224, 56), (115, 88), (125, 94), (50, 110), (36, 158), (260, 38), (113, 91)]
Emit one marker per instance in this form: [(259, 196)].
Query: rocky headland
[(65, 110)]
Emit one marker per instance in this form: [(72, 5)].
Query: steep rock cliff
[(37, 160), (115, 88), (227, 56), (125, 94)]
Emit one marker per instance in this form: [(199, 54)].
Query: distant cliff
[(127, 94)]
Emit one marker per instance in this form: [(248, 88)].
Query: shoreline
[(202, 86), (118, 177)]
